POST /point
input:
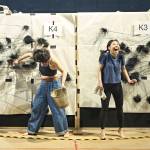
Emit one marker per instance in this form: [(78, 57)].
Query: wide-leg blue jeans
[(39, 107)]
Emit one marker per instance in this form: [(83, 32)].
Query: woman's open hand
[(133, 81)]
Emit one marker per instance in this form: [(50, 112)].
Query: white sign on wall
[(52, 29), (141, 29)]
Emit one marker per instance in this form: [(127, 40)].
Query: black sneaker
[(32, 134)]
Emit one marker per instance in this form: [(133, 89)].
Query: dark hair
[(109, 42), (41, 55)]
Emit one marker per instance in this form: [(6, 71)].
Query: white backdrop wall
[(119, 25), (16, 96)]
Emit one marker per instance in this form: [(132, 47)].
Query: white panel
[(16, 96), (119, 25)]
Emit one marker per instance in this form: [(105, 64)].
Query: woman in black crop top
[(48, 68)]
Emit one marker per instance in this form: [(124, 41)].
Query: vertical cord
[(77, 111)]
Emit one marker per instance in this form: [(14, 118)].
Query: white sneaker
[(66, 135)]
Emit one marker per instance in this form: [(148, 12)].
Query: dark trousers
[(117, 93)]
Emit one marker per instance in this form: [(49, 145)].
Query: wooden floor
[(15, 139)]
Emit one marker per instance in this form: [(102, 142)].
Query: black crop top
[(46, 71)]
